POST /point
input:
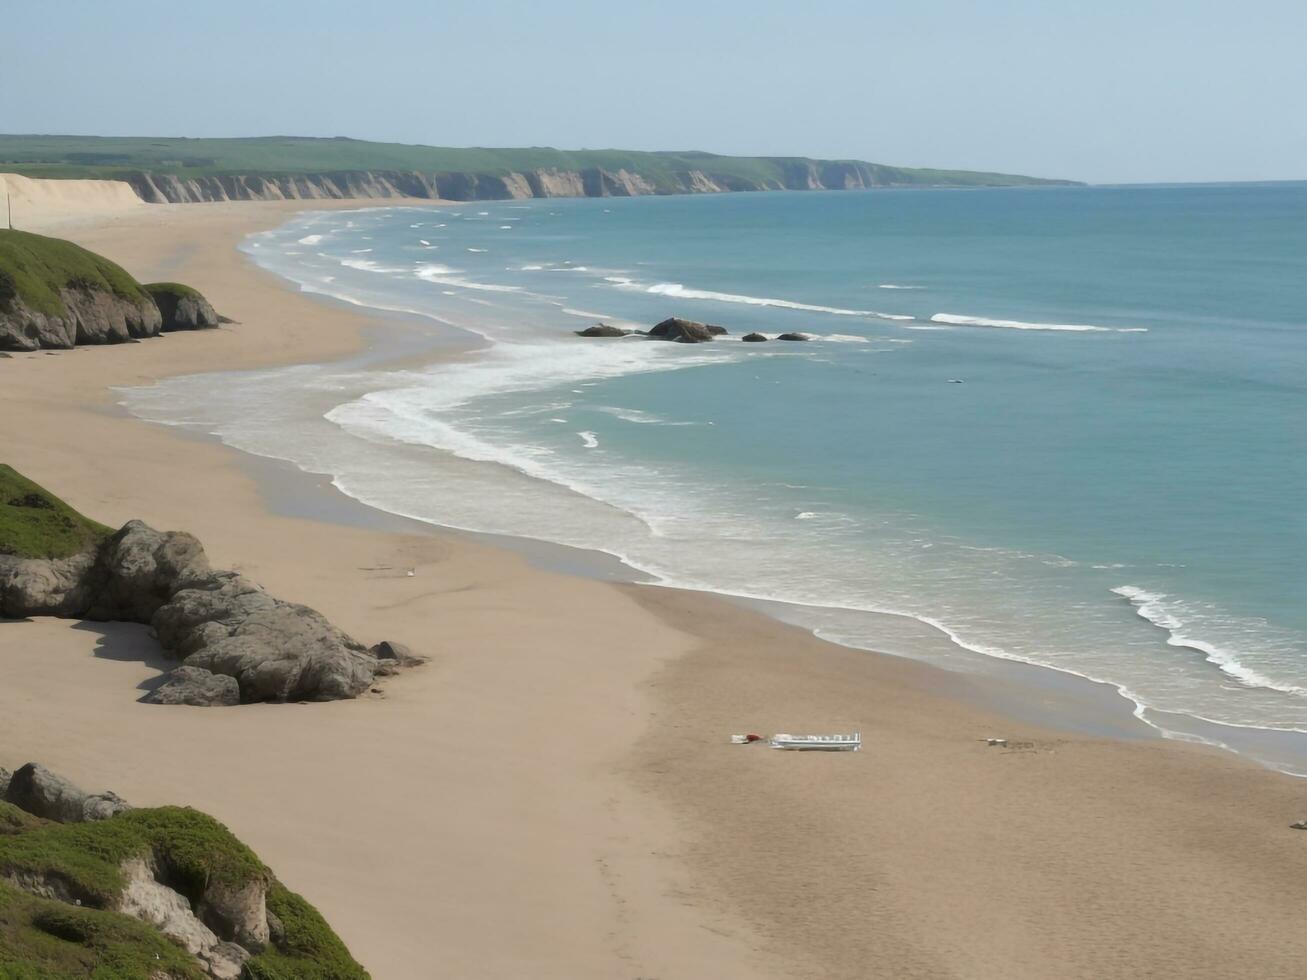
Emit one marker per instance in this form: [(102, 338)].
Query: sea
[(1064, 426)]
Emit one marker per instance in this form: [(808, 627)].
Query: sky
[(1097, 90)]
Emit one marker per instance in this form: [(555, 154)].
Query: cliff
[(156, 188), (283, 167), (56, 294)]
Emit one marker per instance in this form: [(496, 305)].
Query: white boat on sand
[(818, 743)]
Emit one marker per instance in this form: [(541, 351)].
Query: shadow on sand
[(130, 643)]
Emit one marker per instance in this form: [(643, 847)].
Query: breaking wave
[(1169, 614)]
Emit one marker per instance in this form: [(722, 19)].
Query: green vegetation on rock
[(177, 289), (35, 268), (42, 939), (118, 157), (16, 821), (309, 950), (34, 523), (192, 847)]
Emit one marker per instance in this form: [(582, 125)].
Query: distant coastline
[(180, 171)]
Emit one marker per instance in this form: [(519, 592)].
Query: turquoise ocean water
[(1115, 488)]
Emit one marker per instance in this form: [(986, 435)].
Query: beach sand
[(554, 796)]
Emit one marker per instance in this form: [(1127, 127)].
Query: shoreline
[(1030, 691), (608, 829)]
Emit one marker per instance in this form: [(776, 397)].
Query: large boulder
[(602, 330), (685, 331), (139, 569), (276, 651), (182, 307), (197, 687), (794, 336), (46, 586), (753, 338), (236, 642), (40, 792)]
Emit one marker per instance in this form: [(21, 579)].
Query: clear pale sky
[(1098, 90)]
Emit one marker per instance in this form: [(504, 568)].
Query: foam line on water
[(958, 320), (678, 291)]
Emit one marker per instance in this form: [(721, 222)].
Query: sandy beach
[(553, 795)]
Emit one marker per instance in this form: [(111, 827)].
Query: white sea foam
[(367, 265), (841, 338), (423, 241), (893, 285), (637, 416), (957, 320), (311, 239), (443, 275), (530, 268), (589, 439), (1170, 614), (675, 289), (586, 314), (505, 227), (359, 251), (478, 250)]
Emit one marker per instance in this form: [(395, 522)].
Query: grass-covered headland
[(43, 939), (34, 268)]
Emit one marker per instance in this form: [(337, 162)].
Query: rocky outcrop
[(602, 330), (181, 307), (90, 316), (685, 331), (276, 650), (43, 794), (753, 338), (794, 336), (147, 898), (197, 687), (236, 642)]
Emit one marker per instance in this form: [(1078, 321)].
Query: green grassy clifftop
[(34, 269)]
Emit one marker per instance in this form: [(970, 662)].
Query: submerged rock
[(684, 331), (602, 330)]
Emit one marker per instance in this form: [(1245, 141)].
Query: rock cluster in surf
[(681, 331)]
